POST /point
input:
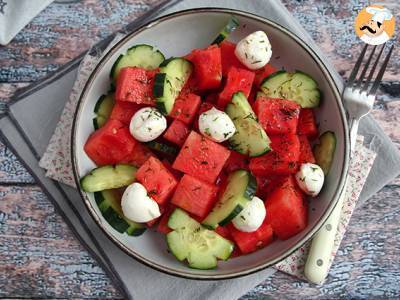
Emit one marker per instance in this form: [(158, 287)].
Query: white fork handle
[(317, 265), (353, 124)]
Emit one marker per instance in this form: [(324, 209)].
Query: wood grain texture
[(367, 264), (41, 258)]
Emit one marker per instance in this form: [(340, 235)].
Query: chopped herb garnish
[(204, 162), (151, 193), (256, 62), (215, 119), (227, 134), (243, 218), (314, 169)]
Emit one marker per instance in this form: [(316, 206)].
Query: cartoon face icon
[(373, 25), (372, 28)]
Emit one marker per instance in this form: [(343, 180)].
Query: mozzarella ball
[(137, 205), (216, 125), (254, 51), (147, 124), (251, 217), (310, 178)]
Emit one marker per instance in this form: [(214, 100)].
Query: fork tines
[(355, 84)]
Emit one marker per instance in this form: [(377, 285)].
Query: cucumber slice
[(232, 24), (109, 203), (240, 108), (250, 138), (191, 241), (162, 148), (173, 75), (325, 150), (143, 56), (296, 86), (108, 177), (103, 109), (239, 191)]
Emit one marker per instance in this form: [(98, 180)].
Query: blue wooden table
[(40, 257)]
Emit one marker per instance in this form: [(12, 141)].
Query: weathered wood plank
[(11, 170), (39, 257), (332, 27), (367, 264), (62, 32)]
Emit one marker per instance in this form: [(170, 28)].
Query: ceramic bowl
[(176, 35)]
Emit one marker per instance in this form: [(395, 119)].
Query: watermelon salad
[(217, 150)]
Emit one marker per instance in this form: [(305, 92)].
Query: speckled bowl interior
[(176, 35)]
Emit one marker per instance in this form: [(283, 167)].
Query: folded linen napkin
[(14, 15)]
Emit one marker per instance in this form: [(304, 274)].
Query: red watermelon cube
[(201, 158), (286, 210), (186, 107), (307, 124), (236, 161), (158, 181), (140, 154), (228, 57), (123, 111), (110, 144), (177, 132), (207, 67), (238, 79), (195, 196), (306, 154), (266, 184), (277, 116), (251, 241), (282, 160), (135, 85)]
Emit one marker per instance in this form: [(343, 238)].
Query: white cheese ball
[(251, 217), (137, 205), (254, 51), (310, 178), (147, 124), (216, 125)]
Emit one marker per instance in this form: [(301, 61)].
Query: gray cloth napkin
[(31, 122), (15, 14)]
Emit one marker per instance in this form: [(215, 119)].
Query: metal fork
[(358, 99)]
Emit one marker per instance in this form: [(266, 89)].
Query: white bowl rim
[(261, 266)]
